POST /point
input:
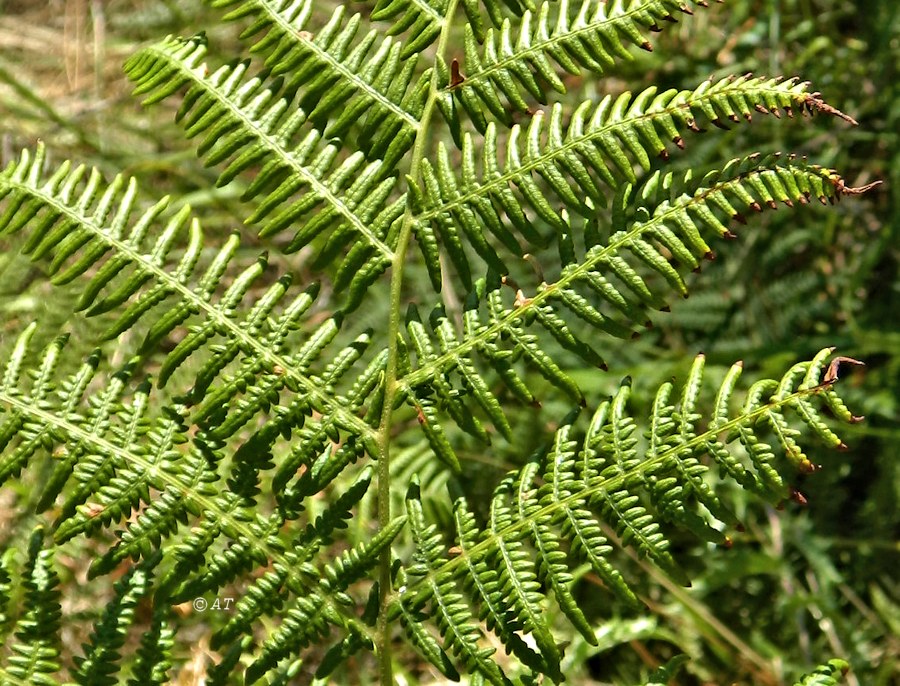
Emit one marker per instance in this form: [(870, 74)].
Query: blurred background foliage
[(798, 586)]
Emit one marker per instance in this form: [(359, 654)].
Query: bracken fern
[(231, 447)]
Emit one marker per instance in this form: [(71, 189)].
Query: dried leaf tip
[(456, 76), (831, 374), (814, 103)]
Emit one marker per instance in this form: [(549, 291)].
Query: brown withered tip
[(679, 142), (648, 324), (815, 104), (686, 9), (536, 404), (733, 117), (665, 308), (739, 528), (761, 108), (772, 204), (646, 46), (656, 28), (738, 217), (670, 18), (755, 206), (831, 374), (692, 125), (709, 255), (788, 202), (456, 77), (635, 335), (664, 154), (727, 543), (604, 367), (843, 447), (859, 190), (696, 270), (798, 497), (803, 200), (718, 123)]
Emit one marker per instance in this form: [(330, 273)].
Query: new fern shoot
[(242, 432)]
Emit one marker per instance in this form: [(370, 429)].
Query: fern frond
[(514, 63), (72, 226), (102, 654), (612, 286), (154, 656), (223, 568), (616, 478), (35, 653), (369, 84), (188, 486), (449, 609), (311, 613), (300, 183), (600, 145)]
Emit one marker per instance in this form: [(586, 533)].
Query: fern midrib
[(391, 386), (546, 45), (273, 144), (533, 164), (189, 295), (609, 484), (338, 65), (440, 362)]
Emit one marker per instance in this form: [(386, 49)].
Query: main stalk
[(383, 631)]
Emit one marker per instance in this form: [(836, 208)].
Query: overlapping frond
[(160, 481), (85, 229), (626, 271), (345, 206), (34, 653), (549, 165), (366, 83), (515, 64), (102, 654), (640, 482)]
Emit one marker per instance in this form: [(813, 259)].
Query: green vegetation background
[(798, 586)]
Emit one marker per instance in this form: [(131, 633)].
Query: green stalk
[(391, 386)]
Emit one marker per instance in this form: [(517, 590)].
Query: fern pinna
[(226, 430)]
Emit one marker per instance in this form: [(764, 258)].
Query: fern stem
[(391, 385)]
